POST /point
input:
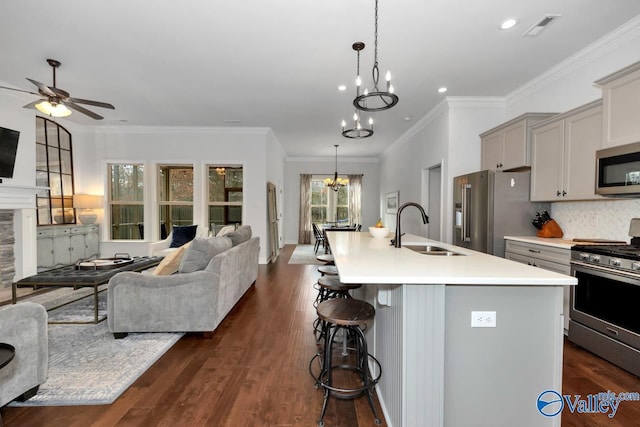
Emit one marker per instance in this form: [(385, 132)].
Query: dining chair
[(319, 236)]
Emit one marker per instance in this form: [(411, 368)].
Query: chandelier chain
[(375, 38)]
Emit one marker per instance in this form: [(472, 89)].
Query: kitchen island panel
[(493, 376)]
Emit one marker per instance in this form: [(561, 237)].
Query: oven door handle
[(628, 277), (613, 331)]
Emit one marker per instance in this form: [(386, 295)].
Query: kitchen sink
[(431, 250)]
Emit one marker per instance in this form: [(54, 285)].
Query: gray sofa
[(24, 326), (195, 299)]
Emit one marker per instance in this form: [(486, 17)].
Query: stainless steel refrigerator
[(489, 205)]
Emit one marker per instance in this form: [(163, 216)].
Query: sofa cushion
[(171, 262), (241, 235), (200, 252), (182, 235)]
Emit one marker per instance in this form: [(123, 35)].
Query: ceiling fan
[(56, 100)]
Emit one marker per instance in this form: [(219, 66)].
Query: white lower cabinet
[(64, 245), (548, 257)]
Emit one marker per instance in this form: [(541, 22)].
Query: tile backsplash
[(607, 219)]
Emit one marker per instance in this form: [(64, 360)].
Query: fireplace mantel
[(18, 196)]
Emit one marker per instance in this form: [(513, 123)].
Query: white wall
[(369, 167), (448, 135), (197, 146), (13, 116), (22, 185)]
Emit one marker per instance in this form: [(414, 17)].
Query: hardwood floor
[(253, 372)]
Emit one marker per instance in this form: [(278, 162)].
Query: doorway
[(433, 187)]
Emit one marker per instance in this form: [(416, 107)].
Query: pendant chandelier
[(357, 131), (376, 100), (336, 183)]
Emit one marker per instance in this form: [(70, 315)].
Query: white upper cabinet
[(508, 146), (621, 106), (563, 155)]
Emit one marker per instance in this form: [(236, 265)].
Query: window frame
[(164, 204), (111, 203), (332, 205), (46, 201), (227, 204)]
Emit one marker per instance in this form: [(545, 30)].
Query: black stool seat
[(346, 312), (333, 283), (326, 258), (330, 270)]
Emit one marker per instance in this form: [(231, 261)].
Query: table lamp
[(85, 203)]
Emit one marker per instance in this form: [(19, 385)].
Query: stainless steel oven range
[(605, 305)]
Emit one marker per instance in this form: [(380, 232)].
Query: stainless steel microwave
[(618, 171)]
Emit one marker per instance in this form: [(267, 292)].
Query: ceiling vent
[(542, 24)]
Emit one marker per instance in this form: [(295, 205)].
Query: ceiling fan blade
[(19, 90), (43, 88), (94, 103), (83, 110), (33, 104)]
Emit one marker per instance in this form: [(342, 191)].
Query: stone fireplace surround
[(18, 233)]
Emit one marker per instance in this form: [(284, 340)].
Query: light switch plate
[(483, 319)]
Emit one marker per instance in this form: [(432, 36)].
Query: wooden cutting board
[(588, 241)]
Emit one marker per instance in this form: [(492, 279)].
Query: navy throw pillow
[(182, 235)]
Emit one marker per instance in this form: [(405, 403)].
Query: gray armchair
[(24, 326)]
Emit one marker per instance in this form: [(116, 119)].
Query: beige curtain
[(355, 198), (304, 225)]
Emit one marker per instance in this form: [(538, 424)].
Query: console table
[(71, 277)]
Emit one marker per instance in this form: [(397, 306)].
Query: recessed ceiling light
[(342, 88), (442, 89), (407, 119), (508, 23)]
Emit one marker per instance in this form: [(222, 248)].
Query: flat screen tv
[(8, 150)]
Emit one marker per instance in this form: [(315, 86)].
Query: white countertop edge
[(362, 259), (547, 241), (375, 281)]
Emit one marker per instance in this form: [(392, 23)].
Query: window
[(175, 198), (328, 205), (225, 196), (126, 201), (54, 169)]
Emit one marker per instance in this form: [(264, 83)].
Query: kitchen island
[(437, 369)]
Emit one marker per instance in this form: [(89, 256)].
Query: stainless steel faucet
[(425, 219)]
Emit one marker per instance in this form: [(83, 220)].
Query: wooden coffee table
[(70, 276)]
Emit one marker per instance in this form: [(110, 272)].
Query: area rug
[(304, 254), (87, 366)]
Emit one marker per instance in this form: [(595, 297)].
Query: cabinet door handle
[(564, 193), (558, 193), (534, 251), (613, 331)]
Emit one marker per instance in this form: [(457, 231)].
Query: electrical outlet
[(483, 319)]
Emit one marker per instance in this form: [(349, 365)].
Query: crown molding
[(182, 130), (447, 104), (332, 159), (606, 44)]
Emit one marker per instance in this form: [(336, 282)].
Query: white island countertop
[(361, 258)]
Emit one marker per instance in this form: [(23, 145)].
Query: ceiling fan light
[(53, 110)]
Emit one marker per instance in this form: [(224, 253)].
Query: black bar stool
[(329, 287), (328, 259), (328, 270), (345, 314)]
